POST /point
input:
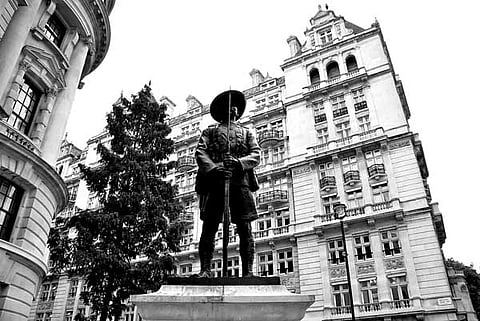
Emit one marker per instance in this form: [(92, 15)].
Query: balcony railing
[(376, 170), (269, 138), (401, 304), (320, 118), (260, 234), (355, 211), (382, 206), (370, 307), (351, 177), (18, 137), (188, 134), (327, 182), (186, 217), (272, 196), (281, 230), (340, 112), (184, 163), (360, 105), (337, 79), (341, 310)]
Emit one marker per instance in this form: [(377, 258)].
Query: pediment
[(46, 65)]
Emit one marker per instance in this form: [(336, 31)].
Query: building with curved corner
[(46, 48)]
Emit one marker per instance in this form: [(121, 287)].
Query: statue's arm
[(252, 159), (204, 162)]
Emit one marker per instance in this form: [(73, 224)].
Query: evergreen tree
[(473, 282), (123, 247)]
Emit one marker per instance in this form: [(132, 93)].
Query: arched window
[(351, 63), (333, 70), (314, 76)]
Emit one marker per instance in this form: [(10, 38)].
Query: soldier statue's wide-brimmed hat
[(219, 105)]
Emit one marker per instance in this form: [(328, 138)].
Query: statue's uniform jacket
[(211, 148)]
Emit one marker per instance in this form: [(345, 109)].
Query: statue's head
[(219, 106)]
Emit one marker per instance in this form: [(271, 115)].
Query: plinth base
[(222, 302)]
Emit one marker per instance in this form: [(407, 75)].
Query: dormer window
[(325, 36), (55, 30)]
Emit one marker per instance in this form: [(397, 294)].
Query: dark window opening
[(351, 63), (55, 30), (10, 197), (314, 76), (332, 70)]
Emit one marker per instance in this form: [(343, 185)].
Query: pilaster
[(41, 122)]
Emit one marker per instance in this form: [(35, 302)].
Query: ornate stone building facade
[(46, 48), (333, 129)]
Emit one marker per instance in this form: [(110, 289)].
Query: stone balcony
[(186, 163), (270, 138), (335, 81), (334, 145), (274, 196), (18, 137), (375, 308)]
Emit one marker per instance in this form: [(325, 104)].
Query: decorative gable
[(46, 66)]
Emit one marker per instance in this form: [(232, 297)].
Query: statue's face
[(233, 113)]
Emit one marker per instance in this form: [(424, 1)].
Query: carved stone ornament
[(337, 272), (395, 263), (365, 269)]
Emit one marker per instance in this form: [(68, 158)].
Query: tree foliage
[(473, 282), (122, 247)]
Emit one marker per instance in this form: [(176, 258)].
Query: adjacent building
[(333, 129), (46, 48)]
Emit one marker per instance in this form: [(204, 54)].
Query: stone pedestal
[(222, 302)]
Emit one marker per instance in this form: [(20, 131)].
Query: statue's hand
[(221, 172), (231, 163)]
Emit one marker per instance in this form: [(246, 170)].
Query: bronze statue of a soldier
[(223, 158)]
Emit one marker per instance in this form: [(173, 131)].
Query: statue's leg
[(247, 247), (206, 246)]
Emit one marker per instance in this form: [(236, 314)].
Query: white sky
[(203, 47)]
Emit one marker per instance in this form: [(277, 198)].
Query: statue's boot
[(205, 261)]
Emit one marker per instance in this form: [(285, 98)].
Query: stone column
[(63, 104), (43, 117), (12, 43), (17, 83)]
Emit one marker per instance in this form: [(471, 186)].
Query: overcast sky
[(203, 47)]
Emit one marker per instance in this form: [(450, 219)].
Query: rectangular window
[(24, 108), (260, 103), (338, 102), (341, 296), (328, 204), (373, 157), (55, 30), (278, 154), (380, 194), (45, 292), (285, 261), (364, 123), (10, 198), (343, 129), (264, 157), (282, 218), (358, 95), (369, 292), (264, 223), (336, 250), (312, 39), (216, 268), (326, 169), (363, 250), (322, 135), (277, 125), (53, 291), (390, 242), (399, 289), (185, 269), (73, 288), (355, 199), (325, 36), (233, 266), (349, 163), (265, 263), (72, 193), (68, 316)]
